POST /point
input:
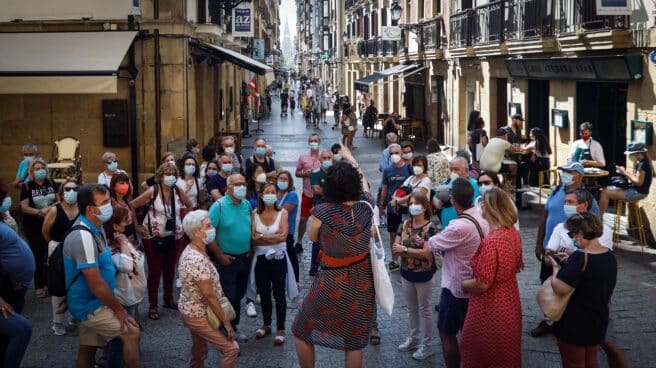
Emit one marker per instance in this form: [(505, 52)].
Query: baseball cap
[(572, 166)]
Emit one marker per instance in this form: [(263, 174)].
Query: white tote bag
[(382, 282)]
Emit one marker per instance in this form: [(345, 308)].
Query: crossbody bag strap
[(473, 220)]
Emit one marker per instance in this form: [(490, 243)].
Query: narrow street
[(166, 343)]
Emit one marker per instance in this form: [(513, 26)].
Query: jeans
[(15, 331), (293, 257), (314, 261), (39, 249), (268, 273), (234, 280), (115, 346), (161, 264)]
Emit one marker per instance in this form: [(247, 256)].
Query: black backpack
[(55, 275)]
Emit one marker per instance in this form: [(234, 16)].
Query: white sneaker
[(59, 329), (423, 352), (257, 299), (408, 345), (250, 310), (178, 283)]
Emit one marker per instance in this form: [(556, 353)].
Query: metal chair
[(65, 161)]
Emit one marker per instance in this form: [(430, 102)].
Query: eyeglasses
[(484, 182), (70, 189)]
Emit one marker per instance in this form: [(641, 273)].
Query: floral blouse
[(415, 269), (439, 168), (195, 266)]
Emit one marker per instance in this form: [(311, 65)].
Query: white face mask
[(395, 158), (229, 150), (485, 188), (417, 170), (261, 178)]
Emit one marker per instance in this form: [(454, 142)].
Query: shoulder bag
[(160, 243), (228, 311), (553, 305), (382, 282)]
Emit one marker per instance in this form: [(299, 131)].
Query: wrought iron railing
[(370, 47), (390, 48), (529, 19), (572, 16), (432, 35), (461, 27), (489, 23)]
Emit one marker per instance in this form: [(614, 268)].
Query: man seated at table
[(514, 129), (586, 150), (492, 159)]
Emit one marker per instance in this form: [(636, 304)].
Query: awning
[(240, 60), (62, 62), (620, 68), (363, 83)]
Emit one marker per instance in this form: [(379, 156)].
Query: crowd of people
[(232, 227)]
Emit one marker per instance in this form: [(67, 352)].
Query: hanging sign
[(391, 33), (269, 60), (242, 20), (614, 7), (258, 49)]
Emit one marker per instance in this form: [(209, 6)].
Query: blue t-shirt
[(253, 199), (290, 198), (84, 249), (22, 172), (233, 225), (449, 213), (16, 259), (217, 182), (555, 208), (394, 177)]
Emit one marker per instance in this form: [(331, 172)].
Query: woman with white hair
[(111, 165), (201, 288)]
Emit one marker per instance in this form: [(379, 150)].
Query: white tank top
[(268, 230)]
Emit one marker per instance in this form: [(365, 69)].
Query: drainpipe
[(132, 106), (156, 14), (158, 102)]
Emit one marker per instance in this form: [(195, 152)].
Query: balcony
[(461, 26), (370, 47), (489, 23), (573, 15), (431, 35), (390, 48), (529, 19)]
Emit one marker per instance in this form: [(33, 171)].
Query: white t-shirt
[(423, 183), (309, 92), (131, 277), (559, 238), (493, 154), (104, 179), (192, 193), (596, 151)]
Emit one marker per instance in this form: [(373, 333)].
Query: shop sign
[(391, 33), (607, 68), (242, 19), (614, 7), (258, 49), (269, 60)]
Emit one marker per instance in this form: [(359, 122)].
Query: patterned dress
[(491, 336), (338, 310)]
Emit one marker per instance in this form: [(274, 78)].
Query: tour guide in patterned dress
[(338, 311)]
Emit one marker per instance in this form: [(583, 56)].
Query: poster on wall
[(391, 33), (242, 18), (258, 49), (614, 7)]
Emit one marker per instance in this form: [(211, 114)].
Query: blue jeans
[(115, 346), (15, 331)]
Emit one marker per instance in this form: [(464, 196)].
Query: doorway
[(502, 104), (604, 105), (537, 114)]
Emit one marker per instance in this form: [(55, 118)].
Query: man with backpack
[(259, 159), (90, 277)]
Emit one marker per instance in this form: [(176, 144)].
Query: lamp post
[(396, 11)]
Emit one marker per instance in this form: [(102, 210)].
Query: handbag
[(620, 182), (382, 282), (160, 243), (228, 311), (553, 305)]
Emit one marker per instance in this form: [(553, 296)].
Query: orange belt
[(332, 262)]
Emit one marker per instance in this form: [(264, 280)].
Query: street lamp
[(269, 30), (345, 37), (396, 11)]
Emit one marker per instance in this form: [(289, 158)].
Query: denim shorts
[(633, 195), (451, 313)]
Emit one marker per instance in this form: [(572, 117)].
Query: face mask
[(112, 166), (40, 174), (261, 178), (283, 185), (407, 156), (229, 150), (485, 188), (327, 163), (570, 210), (6, 204), (415, 209), (171, 162), (106, 212), (169, 180), (190, 170), (337, 157), (454, 176), (122, 189), (28, 158), (212, 172), (239, 192), (269, 199), (314, 146), (260, 151), (567, 179), (395, 158), (418, 170), (226, 168), (210, 235), (70, 197)]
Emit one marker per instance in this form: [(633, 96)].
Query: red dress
[(491, 335)]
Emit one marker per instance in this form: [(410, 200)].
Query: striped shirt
[(458, 242)]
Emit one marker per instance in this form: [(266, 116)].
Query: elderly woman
[(492, 333), (201, 288), (338, 311), (37, 196), (592, 274), (30, 152), (111, 165)]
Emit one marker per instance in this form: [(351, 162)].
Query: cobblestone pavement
[(166, 343)]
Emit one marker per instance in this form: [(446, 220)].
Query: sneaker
[(408, 345), (59, 329), (250, 310), (241, 337), (393, 266), (423, 352), (257, 299), (542, 329), (178, 283)]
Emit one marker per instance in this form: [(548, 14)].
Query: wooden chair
[(65, 160), (417, 130), (634, 213)]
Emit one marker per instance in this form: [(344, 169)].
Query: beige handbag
[(553, 305), (228, 311)]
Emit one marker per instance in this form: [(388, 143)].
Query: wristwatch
[(405, 250)]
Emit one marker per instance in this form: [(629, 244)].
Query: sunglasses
[(70, 189), (484, 182)]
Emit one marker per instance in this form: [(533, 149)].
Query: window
[(374, 24), (383, 17), (420, 10)]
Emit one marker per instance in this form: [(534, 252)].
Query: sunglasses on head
[(484, 182)]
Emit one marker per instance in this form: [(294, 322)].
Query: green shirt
[(317, 179), (233, 225)]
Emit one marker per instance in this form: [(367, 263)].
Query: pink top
[(308, 163), (458, 241)]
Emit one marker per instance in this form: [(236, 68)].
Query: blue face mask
[(112, 166), (567, 179), (70, 197), (415, 209), (190, 170), (327, 163), (570, 210), (211, 172), (210, 235), (226, 168), (283, 185), (269, 199), (260, 151), (240, 192), (169, 180), (106, 212), (40, 174), (6, 204)]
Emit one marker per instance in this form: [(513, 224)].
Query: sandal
[(374, 337), (263, 332), (279, 339), (153, 314), (172, 304)]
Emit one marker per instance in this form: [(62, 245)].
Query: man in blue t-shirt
[(91, 277), (393, 178), (30, 152)]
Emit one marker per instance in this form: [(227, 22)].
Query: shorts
[(451, 313), (306, 206), (100, 328), (394, 220), (633, 195)]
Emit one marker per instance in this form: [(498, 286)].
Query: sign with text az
[(242, 20)]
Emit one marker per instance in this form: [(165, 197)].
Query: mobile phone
[(556, 259)]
